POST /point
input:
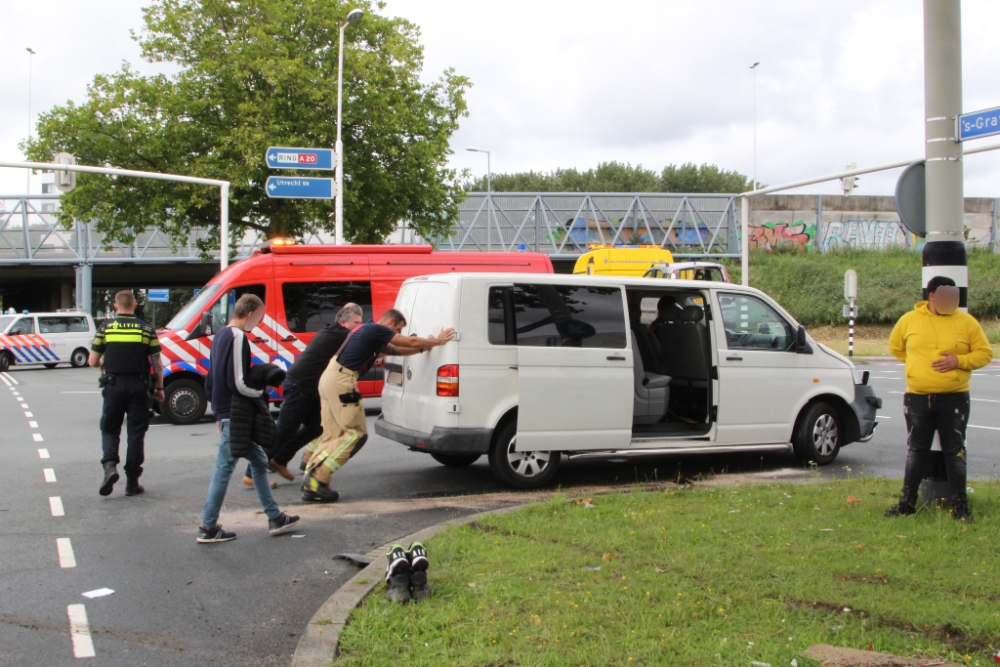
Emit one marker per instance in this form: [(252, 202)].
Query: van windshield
[(195, 305), (5, 322)]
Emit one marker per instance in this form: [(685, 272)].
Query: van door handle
[(513, 368), (615, 357), (734, 358)]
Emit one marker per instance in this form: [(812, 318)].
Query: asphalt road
[(245, 602)]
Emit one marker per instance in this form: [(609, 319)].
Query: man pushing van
[(343, 411)]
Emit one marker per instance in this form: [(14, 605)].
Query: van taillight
[(447, 379)]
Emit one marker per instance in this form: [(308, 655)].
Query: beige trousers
[(344, 426)]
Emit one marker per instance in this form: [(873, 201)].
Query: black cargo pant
[(128, 396), (948, 416), (298, 422)]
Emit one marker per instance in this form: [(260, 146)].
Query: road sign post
[(299, 158), (851, 311), (297, 187)]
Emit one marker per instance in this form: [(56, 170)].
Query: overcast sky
[(570, 83)]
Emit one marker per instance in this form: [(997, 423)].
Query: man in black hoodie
[(227, 383)]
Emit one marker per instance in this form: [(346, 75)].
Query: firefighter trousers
[(344, 427)]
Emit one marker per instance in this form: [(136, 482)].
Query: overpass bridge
[(45, 266)]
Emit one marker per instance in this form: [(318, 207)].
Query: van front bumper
[(439, 440), (865, 406)]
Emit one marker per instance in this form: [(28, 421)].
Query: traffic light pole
[(944, 253)]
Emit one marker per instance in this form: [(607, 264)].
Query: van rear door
[(575, 378)]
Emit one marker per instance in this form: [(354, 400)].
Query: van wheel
[(50, 365), (524, 470), (184, 402), (818, 435), (455, 460), (79, 358), (4, 362)]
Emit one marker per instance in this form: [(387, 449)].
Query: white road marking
[(37, 436), (65, 549), (883, 417), (55, 504), (50, 475), (15, 393), (43, 454), (24, 406), (32, 424), (984, 400), (5, 380), (9, 379), (991, 428), (79, 630), (28, 414)]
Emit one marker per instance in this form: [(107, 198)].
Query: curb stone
[(318, 645)]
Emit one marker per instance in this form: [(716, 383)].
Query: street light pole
[(353, 17), (944, 253), (489, 197), (754, 69), (31, 59)]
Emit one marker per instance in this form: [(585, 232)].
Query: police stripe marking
[(65, 549), (55, 504), (79, 630)]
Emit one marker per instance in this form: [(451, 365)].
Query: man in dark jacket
[(227, 379), (299, 421)]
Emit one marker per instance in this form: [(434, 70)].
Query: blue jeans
[(224, 466)]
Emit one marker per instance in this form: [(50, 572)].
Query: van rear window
[(309, 306), (557, 316)]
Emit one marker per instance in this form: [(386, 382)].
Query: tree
[(618, 177), (257, 73)]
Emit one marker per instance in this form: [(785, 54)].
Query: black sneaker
[(418, 585), (110, 477), (210, 535), (961, 512), (397, 575), (282, 523), (902, 509), (133, 487), (417, 556)]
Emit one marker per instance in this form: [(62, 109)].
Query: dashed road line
[(79, 629), (65, 549), (37, 436), (32, 424), (5, 380), (50, 475), (24, 406), (43, 454), (991, 428), (9, 379), (55, 504), (28, 414)]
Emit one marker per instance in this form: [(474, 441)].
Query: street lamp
[(31, 59), (754, 68), (353, 17), (489, 195)]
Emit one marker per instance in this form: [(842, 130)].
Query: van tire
[(50, 366), (818, 434), (4, 362), (523, 470), (184, 402), (79, 358), (455, 460)]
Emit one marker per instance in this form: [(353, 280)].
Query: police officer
[(124, 348)]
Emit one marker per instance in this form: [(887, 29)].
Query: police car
[(46, 338)]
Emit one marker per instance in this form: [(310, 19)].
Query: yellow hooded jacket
[(920, 336)]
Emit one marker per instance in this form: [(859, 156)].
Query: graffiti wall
[(768, 235), (867, 234)]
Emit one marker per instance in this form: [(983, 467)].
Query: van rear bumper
[(439, 440)]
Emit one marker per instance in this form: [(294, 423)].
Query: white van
[(46, 338), (547, 366)]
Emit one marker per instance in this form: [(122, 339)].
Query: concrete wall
[(826, 222)]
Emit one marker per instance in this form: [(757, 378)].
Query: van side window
[(309, 306), (51, 325), (558, 316), (222, 311), (78, 325), (752, 324), (25, 325)]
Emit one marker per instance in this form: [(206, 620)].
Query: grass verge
[(872, 340), (698, 576)]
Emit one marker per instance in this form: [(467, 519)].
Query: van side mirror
[(206, 323), (802, 342)]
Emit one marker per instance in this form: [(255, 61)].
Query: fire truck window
[(310, 306)]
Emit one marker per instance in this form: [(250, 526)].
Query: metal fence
[(564, 224)]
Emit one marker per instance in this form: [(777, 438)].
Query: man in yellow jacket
[(941, 346)]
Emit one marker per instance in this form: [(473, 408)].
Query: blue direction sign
[(979, 124), (294, 187), (299, 158), (158, 295)]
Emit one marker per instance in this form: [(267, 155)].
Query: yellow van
[(609, 260)]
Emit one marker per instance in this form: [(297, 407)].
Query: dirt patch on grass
[(838, 656), (948, 634)]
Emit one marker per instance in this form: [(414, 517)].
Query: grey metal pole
[(338, 204), (84, 288), (31, 60), (944, 253)]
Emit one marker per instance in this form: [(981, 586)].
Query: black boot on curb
[(110, 477), (960, 512), (902, 509), (397, 575), (417, 556), (133, 487)]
